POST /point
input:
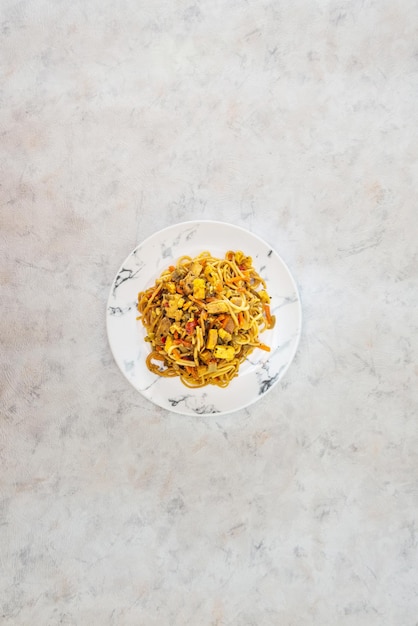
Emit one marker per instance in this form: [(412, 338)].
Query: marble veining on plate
[(258, 374)]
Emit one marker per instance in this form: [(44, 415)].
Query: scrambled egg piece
[(174, 304), (224, 335), (171, 287), (264, 297), (199, 288), (224, 352)]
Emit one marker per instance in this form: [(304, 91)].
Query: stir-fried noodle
[(203, 318)]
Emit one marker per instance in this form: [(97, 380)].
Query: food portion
[(203, 318)]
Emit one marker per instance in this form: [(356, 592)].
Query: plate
[(258, 374)]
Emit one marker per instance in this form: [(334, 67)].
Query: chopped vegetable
[(264, 347), (190, 326), (268, 315)]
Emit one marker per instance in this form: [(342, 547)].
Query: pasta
[(203, 317)]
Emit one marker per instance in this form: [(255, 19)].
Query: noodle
[(203, 318)]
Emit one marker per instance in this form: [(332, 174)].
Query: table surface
[(298, 122)]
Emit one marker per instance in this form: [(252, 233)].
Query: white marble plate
[(258, 374)]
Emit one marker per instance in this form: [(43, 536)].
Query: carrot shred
[(264, 347), (183, 342), (267, 312), (225, 321), (191, 371)]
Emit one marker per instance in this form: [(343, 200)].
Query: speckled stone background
[(298, 121)]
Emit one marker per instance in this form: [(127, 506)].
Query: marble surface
[(296, 120)]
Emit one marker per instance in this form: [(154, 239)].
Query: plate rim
[(296, 339)]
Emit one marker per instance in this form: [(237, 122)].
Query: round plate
[(258, 374)]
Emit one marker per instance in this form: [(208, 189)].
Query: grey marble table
[(297, 121)]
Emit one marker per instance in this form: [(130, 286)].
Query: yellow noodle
[(203, 318)]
